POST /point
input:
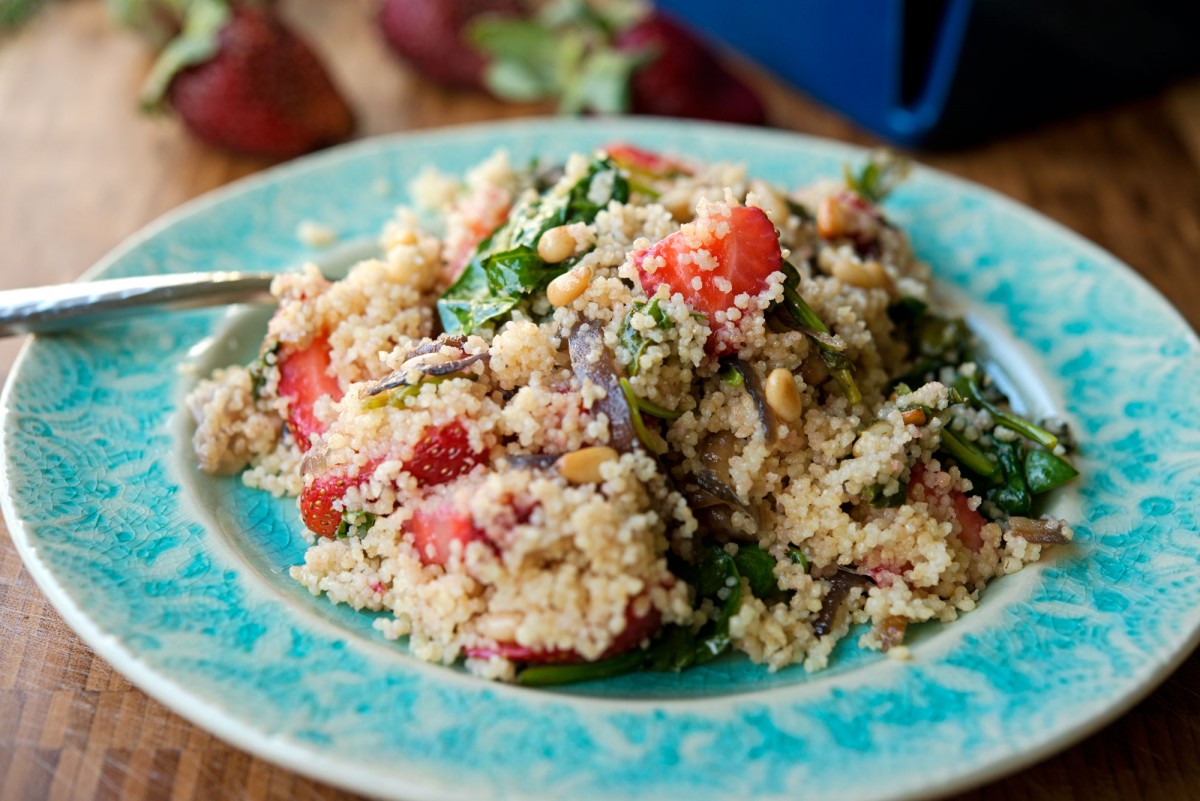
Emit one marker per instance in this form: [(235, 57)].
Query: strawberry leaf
[(525, 41), (604, 79), (512, 80), (195, 45)]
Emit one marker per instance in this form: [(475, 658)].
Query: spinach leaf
[(1045, 471), (505, 268), (758, 567), (801, 317), (631, 338), (1011, 494)]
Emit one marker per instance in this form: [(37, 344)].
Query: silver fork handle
[(65, 306)]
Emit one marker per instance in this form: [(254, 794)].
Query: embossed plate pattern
[(178, 579)]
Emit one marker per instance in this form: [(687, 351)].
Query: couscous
[(633, 412)]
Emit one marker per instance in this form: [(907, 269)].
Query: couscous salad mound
[(631, 412)]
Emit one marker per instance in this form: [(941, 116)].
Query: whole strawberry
[(611, 58), (242, 80), (430, 35), (684, 79)]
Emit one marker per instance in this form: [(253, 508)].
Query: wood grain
[(80, 170)]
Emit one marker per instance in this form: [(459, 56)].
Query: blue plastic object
[(946, 72)]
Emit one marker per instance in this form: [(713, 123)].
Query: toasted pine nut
[(774, 206), (679, 203), (782, 395), (556, 244), (405, 237), (832, 219), (914, 417), (865, 274), (499, 626), (583, 466), (563, 290)]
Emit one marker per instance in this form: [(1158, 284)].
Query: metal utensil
[(56, 308)]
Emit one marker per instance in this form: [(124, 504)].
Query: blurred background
[(1088, 112)]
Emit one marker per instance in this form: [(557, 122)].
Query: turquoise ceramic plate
[(179, 580)]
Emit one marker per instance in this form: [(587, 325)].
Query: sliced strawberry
[(442, 455), (303, 378), (970, 522), (741, 245), (643, 161), (636, 630), (316, 503), (434, 528)]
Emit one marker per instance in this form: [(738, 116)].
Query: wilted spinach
[(506, 268)]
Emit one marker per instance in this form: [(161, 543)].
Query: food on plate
[(632, 412)]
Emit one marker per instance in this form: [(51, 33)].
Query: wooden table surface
[(80, 169)]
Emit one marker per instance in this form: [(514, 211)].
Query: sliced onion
[(754, 386), (1045, 531), (592, 361), (532, 461), (840, 584)]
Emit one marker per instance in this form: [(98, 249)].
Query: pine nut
[(914, 417), (556, 245), (564, 289), (864, 274), (405, 237), (782, 395), (774, 206), (832, 219), (583, 466)]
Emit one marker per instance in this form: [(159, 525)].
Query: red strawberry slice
[(744, 257), (636, 630), (262, 91), (316, 503), (647, 162), (970, 522), (434, 528), (303, 378), (443, 455)]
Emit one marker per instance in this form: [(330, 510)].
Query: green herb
[(799, 210), (632, 340), (882, 173), (1011, 494), (967, 386), (1044, 471), (678, 647), (648, 407), (731, 376), (396, 397), (359, 520), (551, 675), (718, 573), (758, 568), (797, 556), (878, 499), (806, 320), (258, 370), (652, 443), (505, 268), (969, 455)]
